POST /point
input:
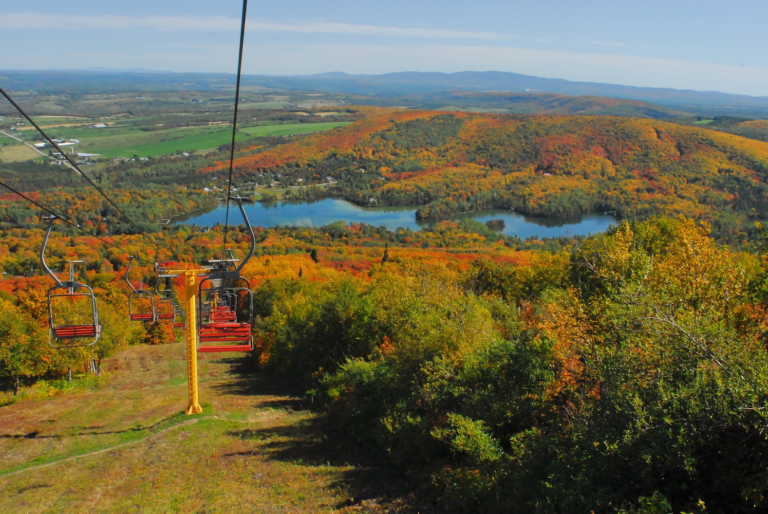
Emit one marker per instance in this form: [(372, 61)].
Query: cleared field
[(126, 446), (287, 130), (50, 126), (145, 144), (17, 153), (263, 105), (128, 141), (43, 119)]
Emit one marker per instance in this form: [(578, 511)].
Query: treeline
[(628, 372)]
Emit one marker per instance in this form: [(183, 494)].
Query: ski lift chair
[(165, 306), (234, 334), (180, 321), (141, 302), (69, 335)]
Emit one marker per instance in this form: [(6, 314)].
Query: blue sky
[(686, 44)]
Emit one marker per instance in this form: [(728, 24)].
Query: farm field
[(289, 130), (146, 144), (127, 141), (126, 445), (17, 153)]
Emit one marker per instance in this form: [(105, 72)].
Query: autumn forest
[(620, 372)]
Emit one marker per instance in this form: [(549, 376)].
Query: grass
[(17, 153), (256, 447), (288, 130), (703, 122), (127, 141)]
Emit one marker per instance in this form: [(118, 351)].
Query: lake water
[(324, 212)]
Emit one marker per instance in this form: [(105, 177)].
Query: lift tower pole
[(190, 297)]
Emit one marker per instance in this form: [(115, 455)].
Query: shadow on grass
[(318, 443), (36, 434), (315, 442), (272, 390)]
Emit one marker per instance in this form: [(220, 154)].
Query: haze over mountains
[(422, 83), (411, 88)]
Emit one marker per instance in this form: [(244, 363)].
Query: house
[(99, 126)]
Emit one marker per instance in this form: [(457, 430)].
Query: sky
[(685, 44)]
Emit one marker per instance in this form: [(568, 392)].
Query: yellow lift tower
[(227, 332)]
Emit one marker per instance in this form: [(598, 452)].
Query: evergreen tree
[(313, 254)]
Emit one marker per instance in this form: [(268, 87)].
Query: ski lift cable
[(74, 166), (234, 124), (65, 220)]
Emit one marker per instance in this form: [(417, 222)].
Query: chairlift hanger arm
[(71, 283), (253, 236), (42, 253), (127, 271)]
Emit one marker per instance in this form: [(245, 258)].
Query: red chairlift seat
[(225, 332), (223, 315), (75, 331), (144, 316)]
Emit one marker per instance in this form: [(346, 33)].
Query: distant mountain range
[(406, 88), (417, 83)]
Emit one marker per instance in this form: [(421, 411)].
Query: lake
[(324, 212)]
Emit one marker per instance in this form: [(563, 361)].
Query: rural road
[(35, 149), (22, 141)]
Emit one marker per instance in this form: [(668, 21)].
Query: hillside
[(752, 129), (545, 103), (554, 166)]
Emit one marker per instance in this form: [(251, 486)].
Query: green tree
[(22, 350)]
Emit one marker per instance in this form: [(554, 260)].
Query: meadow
[(121, 139), (122, 444)]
